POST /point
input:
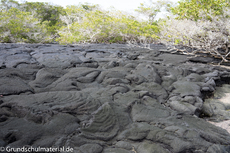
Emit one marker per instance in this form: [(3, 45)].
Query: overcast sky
[(124, 5)]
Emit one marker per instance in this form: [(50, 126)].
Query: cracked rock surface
[(111, 98)]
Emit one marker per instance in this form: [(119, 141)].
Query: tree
[(151, 10), (7, 4), (97, 26), (207, 29), (46, 13), (19, 26), (196, 9)]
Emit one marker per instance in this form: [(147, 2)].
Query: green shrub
[(33, 22), (195, 10), (209, 32), (19, 26), (97, 26), (45, 13)]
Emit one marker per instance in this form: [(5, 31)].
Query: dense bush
[(204, 25), (30, 22), (46, 13), (96, 26), (195, 10), (200, 24), (19, 26), (152, 9), (7, 4)]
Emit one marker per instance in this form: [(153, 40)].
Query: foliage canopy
[(195, 23), (97, 26), (197, 9)]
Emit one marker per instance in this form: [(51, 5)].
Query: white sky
[(123, 5)]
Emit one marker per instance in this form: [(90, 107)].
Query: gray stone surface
[(111, 98)]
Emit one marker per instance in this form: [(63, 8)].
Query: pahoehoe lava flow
[(103, 98)]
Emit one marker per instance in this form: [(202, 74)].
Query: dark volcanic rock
[(104, 98)]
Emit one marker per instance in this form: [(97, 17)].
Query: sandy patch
[(226, 98), (224, 125)]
